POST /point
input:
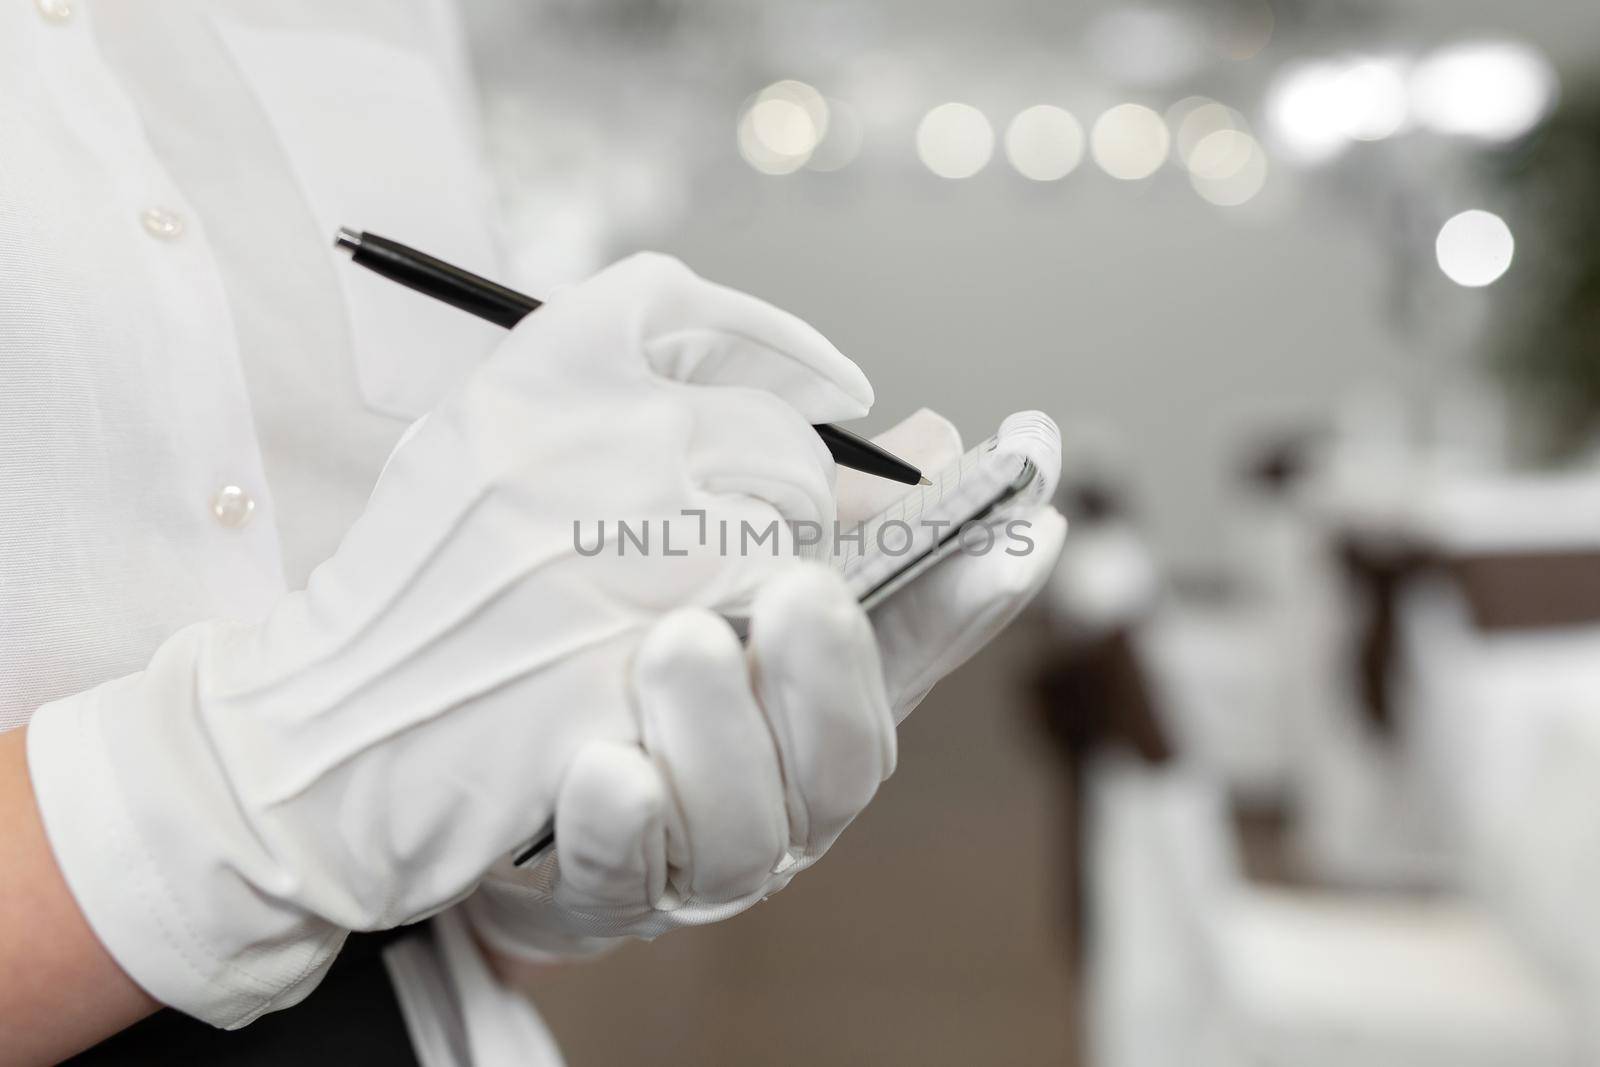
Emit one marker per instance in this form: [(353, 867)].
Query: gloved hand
[(360, 758), (681, 831)]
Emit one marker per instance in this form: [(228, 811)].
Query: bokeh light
[(1175, 114), (1228, 167), (1044, 143), (1371, 98), (1221, 154), (781, 127), (1305, 113), (955, 140), (1493, 90), (1194, 118), (1475, 248), (1129, 142), (804, 96)]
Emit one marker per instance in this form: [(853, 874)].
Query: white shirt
[(196, 393), (174, 318)]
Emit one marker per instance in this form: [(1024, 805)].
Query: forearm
[(60, 991)]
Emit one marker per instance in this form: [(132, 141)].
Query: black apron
[(351, 1020)]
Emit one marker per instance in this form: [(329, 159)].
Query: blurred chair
[(1502, 632), (1091, 691), (1228, 666), (1326, 545), (1497, 630), (1151, 994), (1189, 962), (1363, 548), (1301, 978)]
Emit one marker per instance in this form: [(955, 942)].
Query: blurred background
[(1297, 759)]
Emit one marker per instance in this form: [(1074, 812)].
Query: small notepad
[(966, 508)]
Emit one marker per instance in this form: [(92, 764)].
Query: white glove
[(790, 740), (361, 757)]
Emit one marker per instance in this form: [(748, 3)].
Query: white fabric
[(1503, 745), (1518, 513), (1197, 965), (1507, 750), (1220, 696), (1313, 979), (456, 1010), (1151, 990), (359, 758), (497, 1031), (143, 374), (645, 846), (123, 401), (433, 1016), (1477, 708), (1548, 862)]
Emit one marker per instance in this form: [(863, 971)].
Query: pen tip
[(347, 239), (925, 481)]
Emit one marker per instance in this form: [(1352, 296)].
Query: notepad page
[(922, 502)]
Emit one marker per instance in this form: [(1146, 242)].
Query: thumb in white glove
[(694, 827)]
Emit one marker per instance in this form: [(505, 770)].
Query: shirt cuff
[(160, 932)]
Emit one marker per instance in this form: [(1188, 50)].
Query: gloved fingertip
[(813, 601), (1047, 533), (1010, 576), (683, 645), (855, 385), (822, 686), (853, 393), (611, 827)]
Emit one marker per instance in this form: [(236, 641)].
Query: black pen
[(507, 307)]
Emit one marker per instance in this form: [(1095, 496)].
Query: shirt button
[(162, 224), (55, 10), (232, 506)]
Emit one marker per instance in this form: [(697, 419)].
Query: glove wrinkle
[(398, 725)]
